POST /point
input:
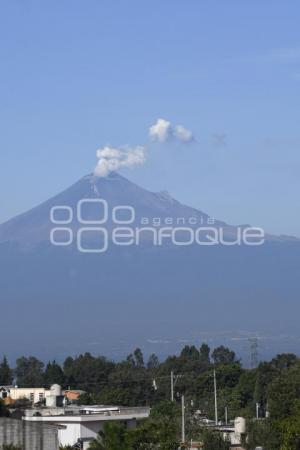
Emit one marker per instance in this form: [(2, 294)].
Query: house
[(40, 394), (34, 395), (37, 395)]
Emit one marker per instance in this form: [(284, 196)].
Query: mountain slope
[(34, 226)]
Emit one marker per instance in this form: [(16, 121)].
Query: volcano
[(62, 301)]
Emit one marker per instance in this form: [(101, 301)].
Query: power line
[(190, 375)]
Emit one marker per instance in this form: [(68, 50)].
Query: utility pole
[(216, 399), (257, 410), (174, 379), (226, 415), (182, 420)]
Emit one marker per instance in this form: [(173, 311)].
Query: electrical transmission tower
[(253, 352)]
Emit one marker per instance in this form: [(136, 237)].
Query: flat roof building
[(81, 424)]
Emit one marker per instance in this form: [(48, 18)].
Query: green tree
[(263, 434), (6, 373), (290, 429), (213, 441), (53, 374), (223, 355), (284, 393), (113, 437), (29, 372), (139, 358), (189, 352), (265, 373), (87, 372), (159, 432), (204, 355), (153, 362), (242, 403), (283, 361), (128, 384)]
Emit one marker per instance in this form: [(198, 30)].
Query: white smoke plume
[(111, 159), (182, 134), (163, 131)]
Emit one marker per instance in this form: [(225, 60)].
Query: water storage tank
[(51, 401), (56, 390), (240, 425)]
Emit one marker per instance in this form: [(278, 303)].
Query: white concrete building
[(34, 395), (82, 424)]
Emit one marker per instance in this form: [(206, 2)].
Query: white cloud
[(111, 159), (183, 134), (163, 131)]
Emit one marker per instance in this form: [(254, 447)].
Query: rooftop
[(86, 413)]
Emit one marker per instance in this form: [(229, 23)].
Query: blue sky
[(77, 75)]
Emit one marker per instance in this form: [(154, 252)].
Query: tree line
[(274, 385)]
